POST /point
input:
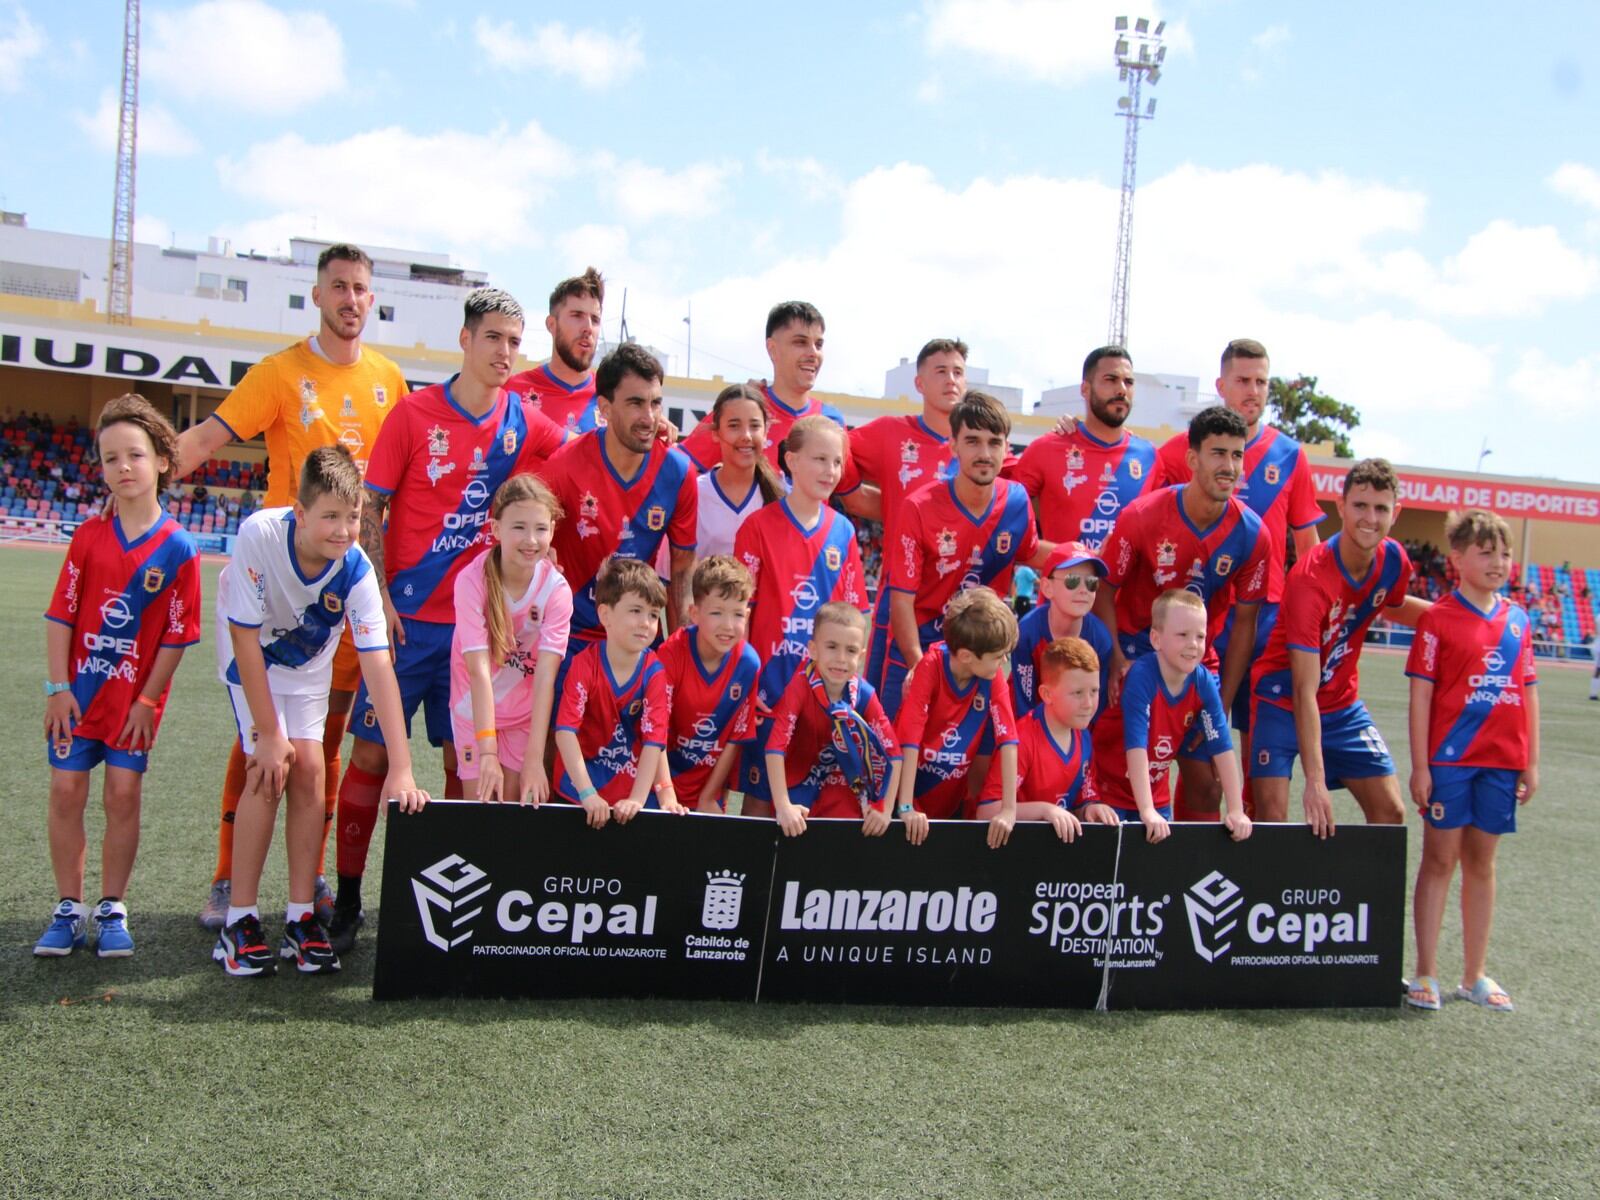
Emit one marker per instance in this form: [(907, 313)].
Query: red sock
[(332, 739), (453, 789), (359, 797)]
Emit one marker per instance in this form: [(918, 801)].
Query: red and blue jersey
[(1327, 613), (1155, 547), (1276, 485), (837, 754), (899, 455), (1079, 484), (943, 548), (571, 406), (946, 726), (709, 711), (703, 447), (606, 514), (1480, 665), (125, 602), (1161, 723), (1033, 635), (440, 466), (796, 571), (615, 719), (1049, 770)]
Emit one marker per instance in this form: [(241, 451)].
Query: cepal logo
[(452, 884), (723, 900), (1211, 905)]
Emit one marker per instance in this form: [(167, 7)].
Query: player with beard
[(563, 387), (1080, 480)]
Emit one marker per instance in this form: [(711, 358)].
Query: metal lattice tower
[(119, 281), (1139, 53)]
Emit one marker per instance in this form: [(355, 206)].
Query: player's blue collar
[(950, 675), (822, 515), (1063, 753), (294, 558), (773, 397), (1183, 689), (1494, 605), (1201, 534), (931, 431), (980, 518), (727, 499), (1356, 584), (600, 438), (620, 689), (562, 384), (450, 399), (116, 527), (1084, 429), (692, 632)]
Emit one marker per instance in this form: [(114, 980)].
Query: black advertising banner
[(497, 900), (501, 900)]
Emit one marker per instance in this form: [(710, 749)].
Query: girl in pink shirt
[(513, 610)]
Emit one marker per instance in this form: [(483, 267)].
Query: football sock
[(293, 912), (232, 789), (349, 895), (332, 739), (236, 913), (359, 796)]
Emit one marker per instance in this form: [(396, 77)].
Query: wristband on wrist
[(484, 735), (904, 809), (586, 793), (145, 700)]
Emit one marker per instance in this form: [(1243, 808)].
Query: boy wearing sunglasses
[(1068, 584)]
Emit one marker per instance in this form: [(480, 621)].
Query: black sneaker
[(343, 928), (242, 948), (306, 943)]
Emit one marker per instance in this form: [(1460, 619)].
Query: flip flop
[(1424, 993), (1486, 993)]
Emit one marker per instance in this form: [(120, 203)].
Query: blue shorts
[(1130, 816), (87, 753), (1266, 618), (1352, 747), (422, 668), (878, 647), (752, 779), (1483, 797)]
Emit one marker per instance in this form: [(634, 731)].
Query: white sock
[(292, 912), (235, 913)]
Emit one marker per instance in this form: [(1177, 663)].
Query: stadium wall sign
[(500, 901), (1509, 498)]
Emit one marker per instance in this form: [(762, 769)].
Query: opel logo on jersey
[(1107, 504), (805, 595), (476, 493), (116, 613), (154, 577)]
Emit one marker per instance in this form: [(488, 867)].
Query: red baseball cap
[(1071, 554)]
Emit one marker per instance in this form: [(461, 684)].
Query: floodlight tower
[(1139, 54), (119, 281)]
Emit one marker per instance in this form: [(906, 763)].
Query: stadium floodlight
[(1134, 71), (1122, 74), (1156, 32), (1155, 74), (1150, 109), (1144, 54), (1122, 24), (1123, 102), (1142, 25), (1122, 47), (1161, 55)]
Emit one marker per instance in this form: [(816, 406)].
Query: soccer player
[(711, 673), (296, 577), (1306, 688), (513, 610), (1070, 579), (440, 457), (126, 605), (1053, 745), (744, 481), (963, 533), (957, 717), (624, 492), (328, 389), (802, 555), (900, 454), (1081, 480), (832, 751), (611, 729), (1170, 700), (1197, 536), (563, 386), (1474, 749)]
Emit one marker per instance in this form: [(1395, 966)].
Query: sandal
[(1486, 993), (1424, 993)]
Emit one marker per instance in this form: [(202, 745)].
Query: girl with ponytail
[(744, 480), (513, 612)]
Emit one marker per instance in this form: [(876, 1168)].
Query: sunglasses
[(1089, 583)]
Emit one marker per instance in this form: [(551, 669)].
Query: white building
[(897, 384), (1158, 399)]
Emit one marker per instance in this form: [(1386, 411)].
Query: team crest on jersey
[(946, 543), (655, 518), (1166, 553), (831, 556), (635, 708), (333, 602), (1271, 475), (1074, 459), (154, 577), (1188, 719), (1224, 564), (1136, 469), (380, 395), (735, 690), (1002, 542), (979, 704), (509, 442), (1379, 596), (438, 440)]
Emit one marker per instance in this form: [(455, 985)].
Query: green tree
[(1309, 416)]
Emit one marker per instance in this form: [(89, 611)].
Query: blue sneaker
[(65, 934), (112, 939)]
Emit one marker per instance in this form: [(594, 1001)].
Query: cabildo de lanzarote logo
[(444, 891), (1290, 933)]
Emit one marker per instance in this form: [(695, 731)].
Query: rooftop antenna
[(625, 337), (1139, 53), (119, 281)]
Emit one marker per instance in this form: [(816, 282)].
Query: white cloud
[(160, 133), (19, 45), (592, 57), (642, 193), (246, 54), (1046, 40), (478, 191), (1264, 49), (1271, 38), (1558, 390), (1577, 182), (151, 230), (816, 181)]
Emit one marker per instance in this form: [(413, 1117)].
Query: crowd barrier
[(503, 901), (59, 533)]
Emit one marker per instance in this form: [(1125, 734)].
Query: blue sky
[(1402, 200)]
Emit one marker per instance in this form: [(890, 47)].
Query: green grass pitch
[(156, 1076)]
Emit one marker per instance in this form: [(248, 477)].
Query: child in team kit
[(1474, 749), (711, 687), (1170, 702), (126, 605), (957, 717), (832, 751), (296, 577), (1052, 776), (1068, 584), (513, 611), (611, 727), (744, 481)]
